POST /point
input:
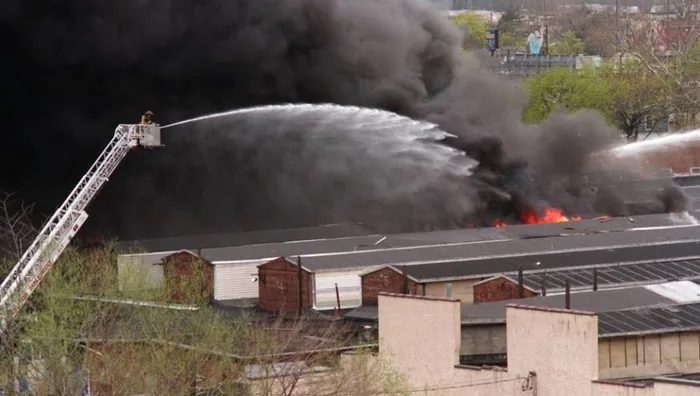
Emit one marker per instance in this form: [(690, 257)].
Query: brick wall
[(383, 280), (278, 286), (680, 158), (188, 278), (498, 289)]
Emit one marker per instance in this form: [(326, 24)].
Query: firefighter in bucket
[(146, 118)]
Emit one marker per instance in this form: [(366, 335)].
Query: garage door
[(235, 280), (349, 288)]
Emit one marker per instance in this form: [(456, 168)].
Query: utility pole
[(546, 30), (617, 25)]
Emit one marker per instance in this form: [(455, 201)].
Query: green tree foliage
[(633, 96), (562, 89), (626, 95), (567, 44), (474, 29), (513, 32), (78, 323)]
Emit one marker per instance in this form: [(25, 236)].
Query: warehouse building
[(638, 327), (534, 282), (551, 351), (615, 266), (457, 258), (473, 281)]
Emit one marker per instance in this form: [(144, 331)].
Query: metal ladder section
[(62, 226)]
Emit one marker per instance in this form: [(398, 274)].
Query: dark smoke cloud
[(77, 68)]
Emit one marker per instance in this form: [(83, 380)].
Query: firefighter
[(146, 118)]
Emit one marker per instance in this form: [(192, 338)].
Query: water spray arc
[(671, 140)]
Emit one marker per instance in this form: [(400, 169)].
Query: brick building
[(387, 279), (279, 286), (679, 160), (499, 288), (188, 278)]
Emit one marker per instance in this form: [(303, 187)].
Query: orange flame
[(499, 223), (551, 215)]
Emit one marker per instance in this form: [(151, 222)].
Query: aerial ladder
[(60, 229)]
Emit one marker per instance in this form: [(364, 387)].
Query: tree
[(78, 327), (567, 44), (625, 93), (669, 51), (562, 89), (634, 96), (474, 29)]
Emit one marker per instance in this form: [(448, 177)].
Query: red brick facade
[(499, 289), (680, 159), (278, 286), (188, 278), (384, 280)]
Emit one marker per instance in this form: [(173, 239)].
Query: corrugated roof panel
[(655, 272), (680, 292), (600, 301), (647, 320)]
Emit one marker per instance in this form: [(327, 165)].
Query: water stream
[(342, 159), (644, 146)]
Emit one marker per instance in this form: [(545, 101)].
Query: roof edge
[(503, 276)]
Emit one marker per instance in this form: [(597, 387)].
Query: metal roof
[(636, 273), (363, 312), (619, 310), (471, 258), (349, 238), (249, 238), (599, 301), (649, 320)]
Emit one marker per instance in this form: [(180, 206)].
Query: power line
[(445, 387)]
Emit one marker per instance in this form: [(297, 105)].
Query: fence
[(524, 65)]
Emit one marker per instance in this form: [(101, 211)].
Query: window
[(648, 123), (448, 290), (695, 170)]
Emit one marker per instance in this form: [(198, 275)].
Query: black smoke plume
[(74, 69)]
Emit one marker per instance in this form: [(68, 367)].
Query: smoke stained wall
[(77, 68)]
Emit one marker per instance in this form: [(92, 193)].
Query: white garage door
[(349, 288), (234, 281), (139, 271)]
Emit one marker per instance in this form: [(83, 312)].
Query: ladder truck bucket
[(144, 135)]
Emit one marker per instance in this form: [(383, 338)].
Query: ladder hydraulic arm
[(53, 238)]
